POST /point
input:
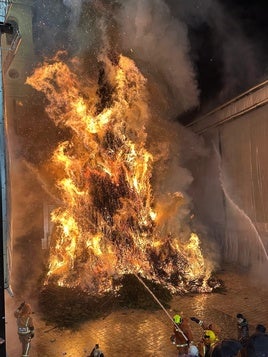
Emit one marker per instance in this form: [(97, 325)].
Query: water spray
[(242, 212), (161, 305)]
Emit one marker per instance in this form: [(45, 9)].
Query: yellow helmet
[(210, 335), (177, 319)]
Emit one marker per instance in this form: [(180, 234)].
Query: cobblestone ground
[(133, 333)]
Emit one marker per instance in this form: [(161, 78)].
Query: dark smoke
[(197, 51), (226, 61)]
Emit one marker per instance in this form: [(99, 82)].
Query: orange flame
[(109, 223)]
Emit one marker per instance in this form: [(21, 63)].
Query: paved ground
[(133, 333)]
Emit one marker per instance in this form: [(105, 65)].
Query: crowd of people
[(211, 344)]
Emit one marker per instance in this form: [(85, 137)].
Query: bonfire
[(109, 223)]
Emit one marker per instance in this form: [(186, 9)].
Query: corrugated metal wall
[(244, 149), (231, 186)]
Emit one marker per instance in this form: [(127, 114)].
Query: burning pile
[(108, 224)]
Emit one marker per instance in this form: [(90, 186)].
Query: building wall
[(17, 62), (16, 65), (231, 193)]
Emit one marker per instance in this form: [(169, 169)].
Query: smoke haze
[(159, 42)]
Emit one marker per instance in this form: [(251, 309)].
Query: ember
[(109, 223)]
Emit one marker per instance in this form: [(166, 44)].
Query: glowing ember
[(109, 223)]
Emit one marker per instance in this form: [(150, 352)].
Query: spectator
[(257, 345), (96, 352), (242, 332)]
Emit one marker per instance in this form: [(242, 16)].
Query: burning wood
[(109, 222)]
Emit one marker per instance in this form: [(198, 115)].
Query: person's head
[(26, 310), (209, 337), (177, 319), (260, 329), (240, 318), (97, 345)]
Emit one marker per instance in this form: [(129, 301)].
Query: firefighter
[(207, 326), (207, 344), (25, 327), (242, 332), (182, 335)]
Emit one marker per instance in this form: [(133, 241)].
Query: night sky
[(250, 18)]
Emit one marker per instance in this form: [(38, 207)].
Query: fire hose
[(163, 308)]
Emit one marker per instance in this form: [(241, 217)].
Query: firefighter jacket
[(183, 336), (24, 323), (210, 326)]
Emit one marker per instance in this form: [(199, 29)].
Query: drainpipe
[(3, 218), (4, 28)]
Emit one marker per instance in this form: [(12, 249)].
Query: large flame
[(109, 223)]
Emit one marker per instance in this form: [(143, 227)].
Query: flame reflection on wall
[(109, 223)]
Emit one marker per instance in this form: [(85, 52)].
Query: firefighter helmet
[(177, 319), (26, 310), (209, 334)]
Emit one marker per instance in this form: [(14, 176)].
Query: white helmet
[(193, 351)]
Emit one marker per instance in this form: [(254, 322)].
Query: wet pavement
[(135, 333)]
